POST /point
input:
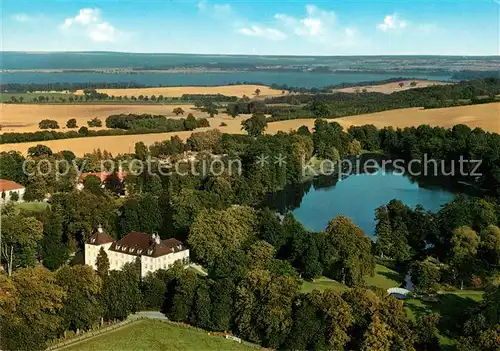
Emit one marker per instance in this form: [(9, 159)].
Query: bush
[(14, 196), (48, 124), (71, 123), (83, 131), (94, 122)]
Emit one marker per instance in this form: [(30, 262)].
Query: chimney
[(99, 228)]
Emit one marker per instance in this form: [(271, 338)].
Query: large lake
[(295, 79), (315, 203)]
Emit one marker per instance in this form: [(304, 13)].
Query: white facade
[(152, 264), (8, 195), (119, 255)]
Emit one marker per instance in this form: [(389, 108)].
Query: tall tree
[(255, 125), (121, 294), (465, 243), (20, 239), (102, 263), (202, 306), (348, 251), (378, 336), (214, 232), (83, 286), (140, 213), (36, 315), (55, 250)]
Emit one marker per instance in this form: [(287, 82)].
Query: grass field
[(157, 335), (28, 97), (20, 118), (451, 307), (33, 206), (228, 90), (391, 87), (384, 278)]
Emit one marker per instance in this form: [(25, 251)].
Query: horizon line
[(226, 54)]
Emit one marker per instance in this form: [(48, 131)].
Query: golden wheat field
[(25, 117), (123, 143), (486, 116), (392, 87), (229, 90)]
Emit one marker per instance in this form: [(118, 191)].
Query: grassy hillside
[(157, 335)]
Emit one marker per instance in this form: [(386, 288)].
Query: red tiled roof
[(99, 237), (8, 185), (137, 243)]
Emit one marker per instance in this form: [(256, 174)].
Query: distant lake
[(314, 204), (297, 79)]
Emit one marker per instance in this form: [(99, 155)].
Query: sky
[(262, 27)]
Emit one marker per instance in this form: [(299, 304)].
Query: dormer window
[(92, 240), (124, 248), (118, 247), (150, 252), (131, 249), (139, 251)]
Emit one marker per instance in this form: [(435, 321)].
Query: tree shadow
[(392, 276), (453, 310)]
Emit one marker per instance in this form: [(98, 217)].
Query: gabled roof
[(137, 244), (8, 185), (99, 237)]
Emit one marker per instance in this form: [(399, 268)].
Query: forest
[(256, 261)]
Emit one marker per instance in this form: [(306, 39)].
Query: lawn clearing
[(32, 206), (384, 278), (322, 284), (157, 335), (451, 307)]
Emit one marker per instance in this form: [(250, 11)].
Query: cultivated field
[(486, 116), (229, 90), (157, 335), (22, 118), (390, 87), (122, 143)]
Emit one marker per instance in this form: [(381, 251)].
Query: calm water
[(356, 197), (296, 79)]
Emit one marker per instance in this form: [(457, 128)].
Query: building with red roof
[(153, 252), (10, 190)]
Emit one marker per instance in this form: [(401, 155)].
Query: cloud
[(21, 17), (217, 10), (392, 22), (267, 33), (316, 23), (426, 28), (90, 21)]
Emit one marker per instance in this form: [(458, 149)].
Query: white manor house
[(153, 252)]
